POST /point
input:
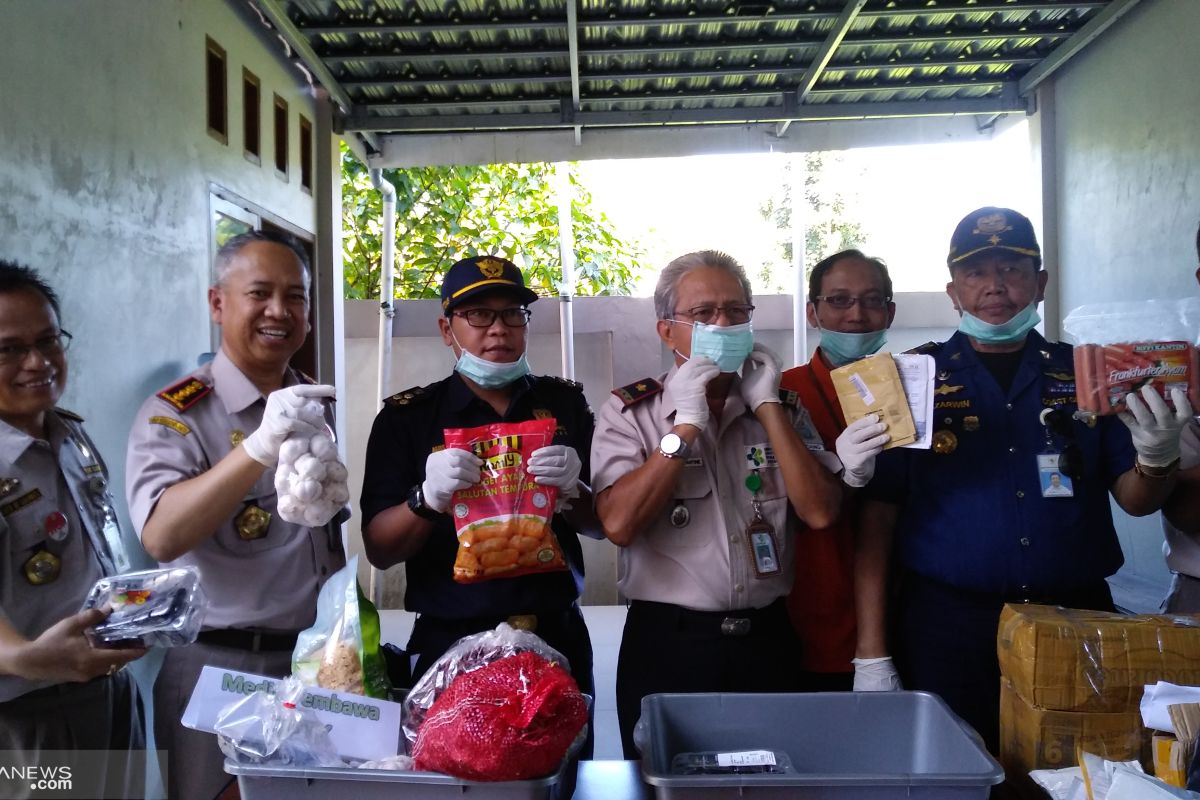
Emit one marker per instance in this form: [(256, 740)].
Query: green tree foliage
[(447, 213), (827, 228)]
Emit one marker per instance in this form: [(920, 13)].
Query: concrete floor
[(605, 624)]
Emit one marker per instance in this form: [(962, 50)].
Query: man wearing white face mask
[(409, 476), (699, 478), (978, 522), (850, 303)]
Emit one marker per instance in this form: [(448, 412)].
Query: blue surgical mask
[(842, 348), (1006, 332), (727, 347), (489, 374)]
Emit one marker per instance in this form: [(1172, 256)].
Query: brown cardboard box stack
[(1074, 679)]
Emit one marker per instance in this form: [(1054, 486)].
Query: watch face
[(671, 444)]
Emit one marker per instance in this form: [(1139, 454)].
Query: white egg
[(307, 490), (336, 471), (310, 467), (322, 447)]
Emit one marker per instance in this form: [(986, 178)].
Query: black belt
[(527, 622), (738, 622), (253, 641)]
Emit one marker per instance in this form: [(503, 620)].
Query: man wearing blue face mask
[(699, 477), (850, 303), (978, 520), (409, 477)]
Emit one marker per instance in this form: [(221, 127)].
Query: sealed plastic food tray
[(259, 782), (842, 746)]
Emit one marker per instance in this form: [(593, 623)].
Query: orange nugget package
[(503, 522)]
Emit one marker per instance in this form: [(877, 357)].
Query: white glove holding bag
[(857, 447), (689, 387), (557, 465), (447, 471), (1154, 427), (875, 675), (288, 411)]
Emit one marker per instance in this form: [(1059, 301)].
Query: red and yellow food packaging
[(1105, 374)]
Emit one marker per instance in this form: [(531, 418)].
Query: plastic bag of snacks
[(503, 522), (154, 608), (508, 709), (341, 650), (310, 480), (1121, 347)]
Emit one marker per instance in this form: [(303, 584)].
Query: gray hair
[(238, 243), (666, 294)]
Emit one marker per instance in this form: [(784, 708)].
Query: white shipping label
[(746, 758), (863, 392)]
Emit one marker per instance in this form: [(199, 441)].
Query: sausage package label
[(1105, 374), (503, 522)]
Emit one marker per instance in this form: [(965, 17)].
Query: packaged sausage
[(1121, 347), (503, 522)]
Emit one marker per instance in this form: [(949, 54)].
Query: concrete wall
[(615, 344), (105, 166), (1128, 182)]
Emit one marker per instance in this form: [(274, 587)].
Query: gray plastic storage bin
[(843, 746), (257, 782)]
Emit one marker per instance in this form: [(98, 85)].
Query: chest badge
[(8, 486), (42, 567), (253, 523), (56, 526), (680, 516), (944, 442), (970, 423), (236, 437)]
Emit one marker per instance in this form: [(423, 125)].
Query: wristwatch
[(672, 445), (416, 504), (1155, 473)]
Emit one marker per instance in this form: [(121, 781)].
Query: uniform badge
[(944, 375), (12, 506), (8, 486), (680, 516), (992, 223), (236, 437), (172, 423), (42, 567), (490, 267), (638, 391), (946, 389), (543, 413), (55, 526), (971, 423), (186, 393), (944, 442), (252, 523)]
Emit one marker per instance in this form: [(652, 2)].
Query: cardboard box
[(361, 727), (1070, 660), (1170, 760), (1036, 738)]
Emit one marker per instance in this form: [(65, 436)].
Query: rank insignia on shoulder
[(407, 396), (561, 381), (638, 391), (186, 393), (924, 349), (172, 423)]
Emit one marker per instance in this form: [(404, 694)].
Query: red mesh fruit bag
[(513, 719)]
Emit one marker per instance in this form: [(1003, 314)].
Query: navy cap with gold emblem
[(993, 228), (477, 275)]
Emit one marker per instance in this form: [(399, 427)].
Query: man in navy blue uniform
[(409, 476), (974, 523)]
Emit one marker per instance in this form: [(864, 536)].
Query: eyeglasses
[(737, 315), (486, 317), (48, 346), (844, 302)]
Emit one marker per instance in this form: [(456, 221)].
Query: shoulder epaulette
[(554, 379), (186, 393), (638, 391), (789, 398), (409, 396), (927, 349), (71, 415)]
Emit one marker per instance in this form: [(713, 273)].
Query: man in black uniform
[(409, 476)]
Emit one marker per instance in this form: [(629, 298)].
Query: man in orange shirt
[(850, 302)]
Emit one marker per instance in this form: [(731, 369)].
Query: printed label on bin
[(361, 727), (746, 758)]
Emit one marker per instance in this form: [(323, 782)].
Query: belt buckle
[(735, 626), (523, 622)]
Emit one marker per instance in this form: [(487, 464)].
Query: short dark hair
[(827, 263), (16, 278), (235, 245)]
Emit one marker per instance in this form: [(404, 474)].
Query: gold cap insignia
[(992, 223), (490, 267)]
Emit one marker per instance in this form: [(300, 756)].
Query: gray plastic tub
[(257, 782), (865, 745)]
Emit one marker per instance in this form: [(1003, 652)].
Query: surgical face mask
[(842, 348), (1006, 332), (727, 347), (489, 374)]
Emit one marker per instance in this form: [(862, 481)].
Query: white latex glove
[(447, 471), (282, 418), (875, 675), (760, 377), (557, 465), (1155, 428), (857, 447), (688, 387)]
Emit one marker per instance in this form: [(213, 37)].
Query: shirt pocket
[(693, 491)]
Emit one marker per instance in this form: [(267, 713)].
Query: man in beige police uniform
[(58, 535), (695, 476), (201, 485)]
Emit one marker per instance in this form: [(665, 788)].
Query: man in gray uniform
[(201, 487), (58, 535)]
